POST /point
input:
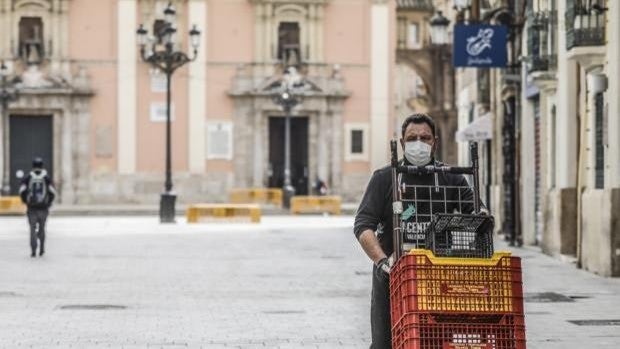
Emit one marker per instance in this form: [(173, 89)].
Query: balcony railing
[(585, 23), (541, 63), (541, 40), (417, 5)]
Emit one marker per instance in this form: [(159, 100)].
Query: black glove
[(382, 271)]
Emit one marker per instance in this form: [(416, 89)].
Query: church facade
[(96, 112)]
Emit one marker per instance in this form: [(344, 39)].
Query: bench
[(316, 204), (260, 196), (11, 205), (230, 213)]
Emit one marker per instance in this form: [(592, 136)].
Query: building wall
[(346, 41), (579, 218), (93, 46), (352, 38)]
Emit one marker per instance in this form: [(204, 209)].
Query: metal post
[(475, 11), (6, 96), (168, 184), (167, 60), (6, 184), (397, 238), (168, 199), (473, 147), (288, 189)]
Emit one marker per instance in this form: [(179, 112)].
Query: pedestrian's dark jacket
[(375, 210), (51, 191)]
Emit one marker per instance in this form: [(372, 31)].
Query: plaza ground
[(289, 282)]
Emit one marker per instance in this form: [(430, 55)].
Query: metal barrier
[(271, 196), (203, 213), (316, 204), (11, 205)]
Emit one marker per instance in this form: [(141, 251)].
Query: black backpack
[(37, 190)]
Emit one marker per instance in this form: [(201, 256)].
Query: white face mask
[(418, 153)]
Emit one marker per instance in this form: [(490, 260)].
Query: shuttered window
[(599, 168)]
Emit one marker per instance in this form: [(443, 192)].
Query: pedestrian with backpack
[(37, 192)]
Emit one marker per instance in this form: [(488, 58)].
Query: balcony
[(541, 63), (585, 37), (585, 23), (415, 5)]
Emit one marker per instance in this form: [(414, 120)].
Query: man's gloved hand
[(383, 269)]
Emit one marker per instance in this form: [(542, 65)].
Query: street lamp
[(439, 29), (168, 61), (8, 93), (462, 4), (440, 51), (288, 98)]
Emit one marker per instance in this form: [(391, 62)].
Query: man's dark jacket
[(375, 210)]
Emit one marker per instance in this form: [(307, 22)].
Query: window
[(357, 142), (402, 32), (599, 146), (412, 36), (31, 39), (158, 112), (219, 140), (159, 81), (289, 50)]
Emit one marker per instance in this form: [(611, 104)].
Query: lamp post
[(440, 49), (167, 60), (8, 93), (288, 98)]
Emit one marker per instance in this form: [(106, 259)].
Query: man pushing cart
[(419, 203)]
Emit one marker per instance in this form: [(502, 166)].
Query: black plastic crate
[(461, 235)]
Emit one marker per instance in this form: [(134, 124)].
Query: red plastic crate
[(459, 331), (421, 282)]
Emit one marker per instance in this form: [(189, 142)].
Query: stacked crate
[(457, 303)]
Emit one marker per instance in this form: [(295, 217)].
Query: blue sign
[(480, 46)]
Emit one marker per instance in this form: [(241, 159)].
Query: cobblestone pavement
[(290, 282)]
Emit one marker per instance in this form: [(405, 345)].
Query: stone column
[(319, 33), (127, 86), (379, 82), (337, 144), (613, 74), (567, 111), (323, 141), (527, 169), (258, 163), (66, 157), (80, 119), (198, 91), (259, 33), (243, 143)]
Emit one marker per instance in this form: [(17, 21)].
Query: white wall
[(198, 91), (127, 86), (566, 132), (379, 83), (612, 176)]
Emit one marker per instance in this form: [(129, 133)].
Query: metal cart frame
[(397, 190)]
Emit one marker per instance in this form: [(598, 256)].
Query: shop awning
[(480, 129)]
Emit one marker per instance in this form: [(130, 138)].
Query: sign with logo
[(480, 46)]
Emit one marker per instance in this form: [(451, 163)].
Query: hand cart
[(448, 289), (466, 234)]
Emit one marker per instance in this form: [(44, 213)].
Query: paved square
[(289, 282)]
